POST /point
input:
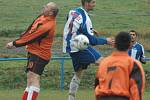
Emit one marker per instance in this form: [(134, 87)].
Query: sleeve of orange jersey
[(96, 85), (137, 82), (28, 38), (96, 79)]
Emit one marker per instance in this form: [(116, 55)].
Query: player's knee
[(33, 78), (75, 79)]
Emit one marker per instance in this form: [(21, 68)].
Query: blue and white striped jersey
[(137, 51), (79, 22)]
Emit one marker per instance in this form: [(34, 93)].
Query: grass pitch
[(53, 95)]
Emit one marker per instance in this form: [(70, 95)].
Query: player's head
[(123, 41), (50, 9), (88, 4), (134, 35)]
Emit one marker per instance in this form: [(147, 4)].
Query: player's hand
[(110, 41), (9, 45), (142, 60)]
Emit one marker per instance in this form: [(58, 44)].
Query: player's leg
[(34, 87), (32, 80), (25, 94), (74, 84), (80, 61), (29, 81), (35, 68)]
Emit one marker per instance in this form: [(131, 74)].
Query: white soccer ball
[(81, 42)]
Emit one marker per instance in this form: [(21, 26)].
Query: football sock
[(74, 85), (25, 95), (33, 93)]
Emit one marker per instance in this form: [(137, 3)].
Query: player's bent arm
[(142, 56), (137, 82), (40, 33), (23, 42), (97, 83), (97, 79)]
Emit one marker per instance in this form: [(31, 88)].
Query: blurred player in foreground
[(78, 22), (137, 50), (38, 40), (120, 77)]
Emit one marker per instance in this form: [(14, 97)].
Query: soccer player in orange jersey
[(38, 39), (120, 77)]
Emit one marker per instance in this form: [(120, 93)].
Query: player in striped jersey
[(79, 22), (137, 49)]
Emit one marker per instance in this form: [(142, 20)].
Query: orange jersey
[(120, 75), (38, 37)]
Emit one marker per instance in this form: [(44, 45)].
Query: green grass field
[(53, 95)]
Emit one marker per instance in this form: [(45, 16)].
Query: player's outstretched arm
[(137, 81)]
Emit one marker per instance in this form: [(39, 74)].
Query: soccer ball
[(81, 42)]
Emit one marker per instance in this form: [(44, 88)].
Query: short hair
[(84, 1), (134, 32), (55, 11), (122, 41)]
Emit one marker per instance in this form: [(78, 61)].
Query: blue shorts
[(83, 58)]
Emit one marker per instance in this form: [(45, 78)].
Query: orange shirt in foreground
[(120, 75)]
